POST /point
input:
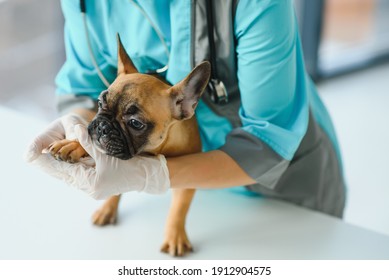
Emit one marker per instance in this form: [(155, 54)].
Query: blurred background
[(346, 47)]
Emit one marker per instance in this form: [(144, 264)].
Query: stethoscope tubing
[(90, 49)]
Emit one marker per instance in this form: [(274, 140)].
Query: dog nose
[(103, 128)]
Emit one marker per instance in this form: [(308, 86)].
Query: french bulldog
[(140, 114)]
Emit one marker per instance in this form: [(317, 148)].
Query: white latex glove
[(61, 128), (110, 175)]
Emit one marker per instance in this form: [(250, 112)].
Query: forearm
[(210, 170)]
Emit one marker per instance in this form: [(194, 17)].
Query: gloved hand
[(61, 128), (110, 176)]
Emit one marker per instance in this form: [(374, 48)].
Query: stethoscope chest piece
[(218, 91)]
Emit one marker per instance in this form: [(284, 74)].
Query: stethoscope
[(217, 90)]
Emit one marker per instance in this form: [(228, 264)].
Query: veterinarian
[(261, 120)]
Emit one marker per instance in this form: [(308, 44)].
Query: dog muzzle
[(107, 135)]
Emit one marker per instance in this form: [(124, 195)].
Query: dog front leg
[(176, 241)]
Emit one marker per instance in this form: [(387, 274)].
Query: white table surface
[(42, 218)]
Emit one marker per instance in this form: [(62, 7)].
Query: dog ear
[(186, 94), (125, 65)]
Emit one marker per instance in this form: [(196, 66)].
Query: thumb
[(86, 142)]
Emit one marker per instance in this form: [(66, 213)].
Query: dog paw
[(106, 215), (176, 243), (67, 150)]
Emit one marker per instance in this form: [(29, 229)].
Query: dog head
[(137, 110)]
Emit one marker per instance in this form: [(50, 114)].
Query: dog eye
[(136, 124), (100, 104)]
